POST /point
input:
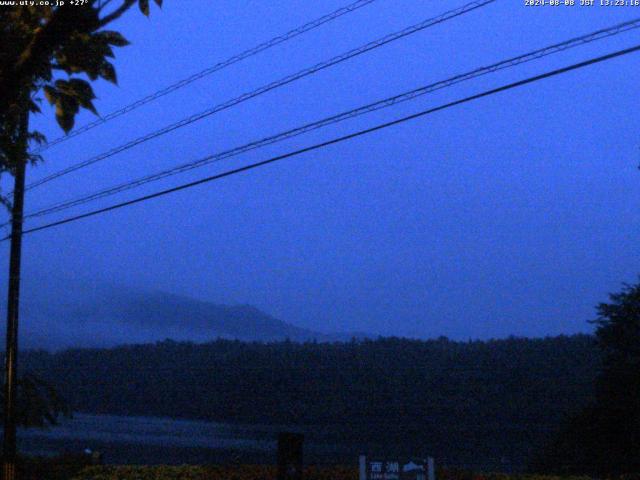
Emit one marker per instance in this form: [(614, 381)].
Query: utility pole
[(11, 352)]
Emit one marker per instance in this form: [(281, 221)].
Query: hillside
[(489, 402), (98, 315)]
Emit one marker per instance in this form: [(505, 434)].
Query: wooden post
[(290, 452), (363, 467), (431, 469)]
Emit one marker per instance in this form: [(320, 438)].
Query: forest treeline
[(497, 400)]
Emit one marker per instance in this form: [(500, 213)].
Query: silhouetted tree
[(49, 49), (39, 404), (618, 387), (605, 437)]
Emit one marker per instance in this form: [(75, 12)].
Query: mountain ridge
[(98, 315)]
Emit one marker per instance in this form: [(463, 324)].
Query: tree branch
[(104, 4), (62, 25), (117, 13)]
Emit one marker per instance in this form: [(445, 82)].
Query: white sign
[(376, 468)]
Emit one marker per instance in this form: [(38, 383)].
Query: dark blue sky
[(515, 214)]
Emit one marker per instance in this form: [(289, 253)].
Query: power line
[(381, 104), (350, 136), (215, 68), (271, 86)]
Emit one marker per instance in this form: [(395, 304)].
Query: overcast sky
[(514, 214)]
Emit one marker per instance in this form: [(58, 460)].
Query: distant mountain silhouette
[(72, 314)]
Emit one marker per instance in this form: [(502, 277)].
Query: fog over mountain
[(61, 314)]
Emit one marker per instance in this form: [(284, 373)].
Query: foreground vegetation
[(77, 468), (239, 472), (260, 472), (604, 438)]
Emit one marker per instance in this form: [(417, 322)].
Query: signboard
[(376, 468)]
